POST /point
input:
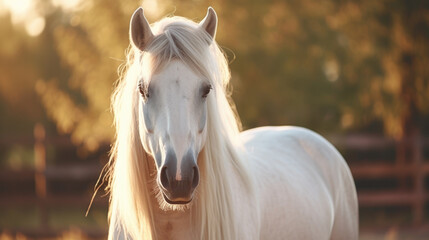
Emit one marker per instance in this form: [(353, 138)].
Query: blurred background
[(355, 71)]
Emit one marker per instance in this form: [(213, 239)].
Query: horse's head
[(174, 87)]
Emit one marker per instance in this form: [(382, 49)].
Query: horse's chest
[(165, 230), (171, 230)]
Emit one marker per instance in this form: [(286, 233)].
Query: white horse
[(181, 169)]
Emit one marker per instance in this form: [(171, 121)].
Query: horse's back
[(305, 187)]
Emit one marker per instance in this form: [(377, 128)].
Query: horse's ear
[(140, 33), (209, 23)]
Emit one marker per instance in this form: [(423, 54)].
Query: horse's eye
[(206, 91), (143, 90)]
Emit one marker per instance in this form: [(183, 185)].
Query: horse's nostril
[(196, 178), (164, 178)]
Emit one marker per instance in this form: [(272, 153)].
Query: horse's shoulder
[(295, 146), (281, 134)]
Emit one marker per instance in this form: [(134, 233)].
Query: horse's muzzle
[(179, 191)]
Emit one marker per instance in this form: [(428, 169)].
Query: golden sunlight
[(34, 27), (22, 12), (18, 9), (68, 5), (331, 70), (151, 7)]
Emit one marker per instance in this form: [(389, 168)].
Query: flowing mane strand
[(130, 179)]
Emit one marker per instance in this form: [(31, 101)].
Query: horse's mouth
[(179, 201)]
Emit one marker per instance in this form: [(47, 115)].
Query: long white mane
[(131, 179)]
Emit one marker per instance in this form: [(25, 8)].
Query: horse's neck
[(169, 224)]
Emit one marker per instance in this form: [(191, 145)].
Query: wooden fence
[(42, 177), (407, 164), (408, 167)]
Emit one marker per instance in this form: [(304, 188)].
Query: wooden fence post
[(417, 154), (40, 168), (401, 163)]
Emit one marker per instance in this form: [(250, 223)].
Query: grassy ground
[(67, 223), (368, 234), (396, 233), (30, 217)]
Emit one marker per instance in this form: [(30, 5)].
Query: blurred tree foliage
[(328, 65), (387, 64), (18, 73), (91, 43)]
